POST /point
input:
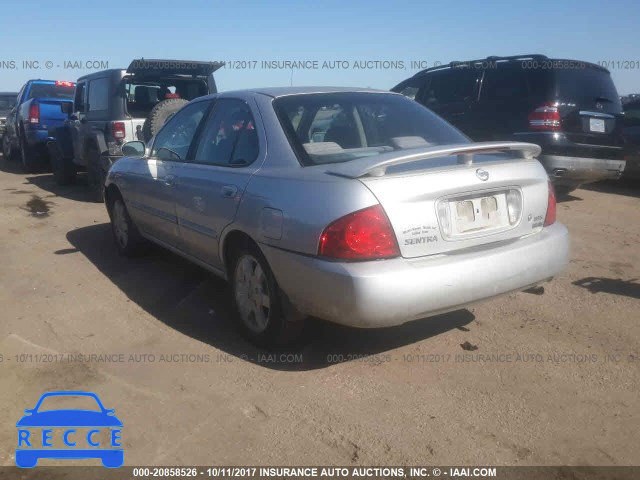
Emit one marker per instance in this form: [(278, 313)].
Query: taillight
[(550, 217), (34, 113), (60, 83), (362, 235), (545, 117), (118, 130)]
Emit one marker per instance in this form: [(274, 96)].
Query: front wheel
[(257, 300), (128, 240), (64, 170)]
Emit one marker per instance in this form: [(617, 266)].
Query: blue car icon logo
[(34, 444)]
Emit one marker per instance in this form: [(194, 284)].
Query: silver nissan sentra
[(360, 207)]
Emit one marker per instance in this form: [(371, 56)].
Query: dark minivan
[(570, 108)]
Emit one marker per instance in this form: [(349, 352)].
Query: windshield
[(51, 90), (7, 102), (339, 127)]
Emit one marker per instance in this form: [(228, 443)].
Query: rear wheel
[(126, 235), (64, 170), (31, 162), (258, 301), (7, 150), (95, 174)]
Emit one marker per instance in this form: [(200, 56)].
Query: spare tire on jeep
[(159, 115)]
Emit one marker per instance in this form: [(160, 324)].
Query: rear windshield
[(50, 90), (142, 95), (339, 127), (7, 102), (585, 84)]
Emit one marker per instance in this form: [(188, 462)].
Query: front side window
[(173, 141), (229, 138), (504, 84), (339, 127)]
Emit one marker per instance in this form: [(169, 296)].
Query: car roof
[(277, 92), (9, 93), (513, 58)]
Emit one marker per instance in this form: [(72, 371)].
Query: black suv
[(570, 108)]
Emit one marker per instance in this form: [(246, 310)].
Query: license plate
[(480, 213), (596, 125)]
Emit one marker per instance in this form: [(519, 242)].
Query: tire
[(8, 152), (95, 174), (64, 170), (159, 114), (258, 301), (126, 235), (31, 162)]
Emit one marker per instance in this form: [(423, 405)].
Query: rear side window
[(229, 138), (504, 84), (451, 86), (98, 95), (587, 84)]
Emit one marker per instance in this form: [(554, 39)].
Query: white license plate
[(478, 213), (596, 125)]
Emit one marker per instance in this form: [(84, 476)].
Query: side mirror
[(134, 149), (28, 410), (73, 117)]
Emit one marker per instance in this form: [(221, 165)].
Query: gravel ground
[(545, 380)]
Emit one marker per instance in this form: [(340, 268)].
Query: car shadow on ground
[(194, 302), (616, 286), (78, 191), (10, 166), (625, 186)]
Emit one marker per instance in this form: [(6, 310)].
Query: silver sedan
[(360, 207)]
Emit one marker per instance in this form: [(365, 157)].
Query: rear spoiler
[(377, 166)]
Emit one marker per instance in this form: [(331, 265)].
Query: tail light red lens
[(545, 117), (34, 113), (362, 235), (118, 130), (550, 218), (61, 83)]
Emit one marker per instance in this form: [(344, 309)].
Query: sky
[(382, 38)]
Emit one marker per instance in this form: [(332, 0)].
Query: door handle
[(229, 191), (169, 180)]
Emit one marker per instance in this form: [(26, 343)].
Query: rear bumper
[(572, 164), (573, 171), (36, 136), (391, 292)]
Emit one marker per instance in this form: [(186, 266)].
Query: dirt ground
[(554, 379)]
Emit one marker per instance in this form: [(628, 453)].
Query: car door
[(209, 187), (151, 188)]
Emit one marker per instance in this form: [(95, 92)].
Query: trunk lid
[(590, 108), (457, 199)]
